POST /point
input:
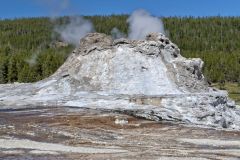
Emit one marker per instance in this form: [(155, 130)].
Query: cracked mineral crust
[(145, 78)]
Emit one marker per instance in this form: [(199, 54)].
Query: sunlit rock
[(145, 78)]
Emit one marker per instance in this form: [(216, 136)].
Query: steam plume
[(142, 23), (116, 34), (33, 59), (76, 29)]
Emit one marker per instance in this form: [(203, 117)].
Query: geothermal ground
[(97, 104), (74, 133)]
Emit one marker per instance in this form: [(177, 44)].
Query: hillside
[(26, 53)]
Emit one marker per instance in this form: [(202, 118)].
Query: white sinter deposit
[(146, 78)]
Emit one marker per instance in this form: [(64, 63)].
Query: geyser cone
[(147, 78), (150, 67)]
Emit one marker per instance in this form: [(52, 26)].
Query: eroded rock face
[(147, 78)]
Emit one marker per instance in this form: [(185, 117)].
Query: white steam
[(142, 23), (116, 34), (76, 29), (33, 59)]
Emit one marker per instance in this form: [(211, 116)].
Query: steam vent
[(145, 78)]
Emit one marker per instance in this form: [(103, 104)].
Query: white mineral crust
[(147, 78)]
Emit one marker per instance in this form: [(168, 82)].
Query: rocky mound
[(147, 78), (150, 67)]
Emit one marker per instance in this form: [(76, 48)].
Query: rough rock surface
[(147, 78)]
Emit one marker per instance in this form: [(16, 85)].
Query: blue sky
[(36, 8)]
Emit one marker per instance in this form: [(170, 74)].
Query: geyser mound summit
[(150, 67), (146, 78)]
